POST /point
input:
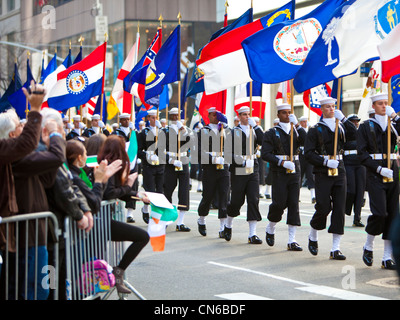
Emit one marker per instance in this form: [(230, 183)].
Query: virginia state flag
[(223, 60), (80, 82), (164, 69), (285, 46)]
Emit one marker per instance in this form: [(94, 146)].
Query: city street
[(208, 268)]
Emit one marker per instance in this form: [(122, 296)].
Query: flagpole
[(161, 19), (335, 172), (26, 99), (104, 76), (389, 134), (179, 108), (291, 126)]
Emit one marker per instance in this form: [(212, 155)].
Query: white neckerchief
[(153, 129), (331, 123), (214, 127), (285, 126), (96, 130), (246, 129), (126, 130), (174, 126), (382, 120)]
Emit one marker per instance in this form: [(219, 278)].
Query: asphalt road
[(200, 268)]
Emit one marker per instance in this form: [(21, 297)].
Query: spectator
[(120, 187), (14, 147)]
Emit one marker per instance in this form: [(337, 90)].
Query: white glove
[(158, 124), (252, 123), (258, 154), (387, 173), (178, 164), (293, 119), (250, 164), (390, 111), (200, 126), (131, 126), (154, 158), (179, 125), (220, 161), (70, 126), (332, 164), (81, 125), (101, 124), (339, 115), (289, 165)]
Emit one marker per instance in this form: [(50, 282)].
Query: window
[(10, 5), (39, 4), (1, 7)]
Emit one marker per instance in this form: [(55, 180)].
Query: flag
[(184, 90), (389, 51), (351, 37), (118, 101), (15, 85), (51, 67), (50, 80), (79, 83), (197, 81), (242, 99), (312, 97), (223, 60), (396, 93), (285, 46), (132, 149), (160, 219), (98, 107), (374, 78), (163, 70), (217, 100), (284, 93), (129, 84), (18, 99)]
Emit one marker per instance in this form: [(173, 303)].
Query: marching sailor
[(276, 150), (98, 126), (153, 171), (211, 142), (330, 174), (125, 128), (382, 179), (356, 177), (244, 174), (177, 165), (78, 126)]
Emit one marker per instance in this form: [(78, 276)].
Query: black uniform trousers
[(356, 185), (171, 180), (307, 172), (330, 193), (285, 194), (215, 182), (384, 203), (153, 178), (245, 187)]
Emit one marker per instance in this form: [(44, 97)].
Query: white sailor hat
[(327, 100), (163, 121), (76, 118), (115, 125), (243, 109), (303, 118), (277, 120), (379, 96), (236, 118), (96, 117), (371, 111), (212, 109), (284, 106), (174, 111), (141, 123), (152, 112), (66, 119), (125, 116)]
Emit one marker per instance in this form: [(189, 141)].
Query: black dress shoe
[(358, 224), (221, 235), (130, 220), (368, 257), (337, 255), (313, 247), (228, 234), (182, 228), (146, 217), (202, 229), (294, 246), (270, 239), (255, 240), (313, 201), (388, 265), (268, 197)]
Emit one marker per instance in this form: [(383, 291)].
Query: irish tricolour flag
[(79, 83)]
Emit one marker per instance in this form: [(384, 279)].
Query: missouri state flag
[(223, 60), (79, 83)]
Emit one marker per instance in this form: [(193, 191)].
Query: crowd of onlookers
[(42, 172)]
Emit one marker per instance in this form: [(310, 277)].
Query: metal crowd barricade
[(18, 283), (82, 249)]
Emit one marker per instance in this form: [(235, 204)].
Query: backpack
[(102, 279)]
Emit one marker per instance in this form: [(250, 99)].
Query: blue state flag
[(51, 67), (164, 69), (396, 93), (323, 58), (14, 86), (285, 46), (18, 99)]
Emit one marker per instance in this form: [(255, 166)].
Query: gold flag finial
[(138, 26), (105, 37), (80, 40), (161, 19), (179, 17)]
